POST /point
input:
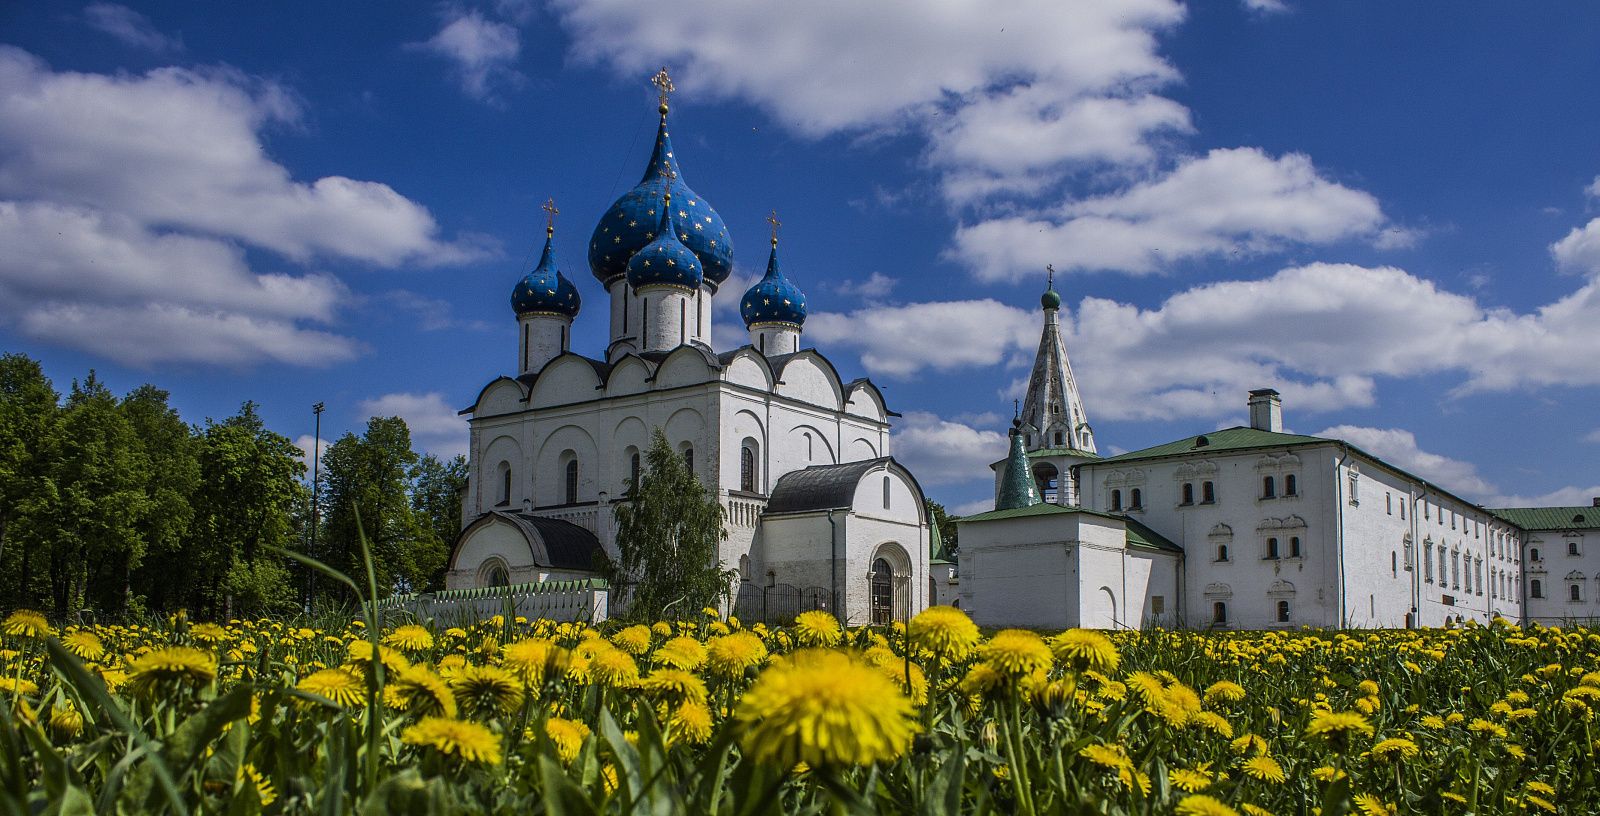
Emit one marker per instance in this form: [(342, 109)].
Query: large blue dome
[(773, 299), (631, 222), (545, 290), (665, 261)]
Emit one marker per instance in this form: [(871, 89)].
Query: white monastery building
[(1248, 527), (818, 514)]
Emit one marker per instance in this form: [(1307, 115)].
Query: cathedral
[(818, 514), (1247, 527)]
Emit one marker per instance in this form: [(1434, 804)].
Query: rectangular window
[(1402, 511), (1208, 493), (1158, 604), (1388, 502)]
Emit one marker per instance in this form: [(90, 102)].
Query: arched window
[(496, 576), (747, 469), (1269, 489), (887, 487), (572, 482), (1272, 548), (1219, 613), (1572, 547), (1060, 440), (505, 483), (1283, 611), (1533, 554), (1394, 564), (1138, 499), (1222, 552), (811, 453), (633, 469), (1208, 493), (1188, 493), (1116, 500), (688, 457), (1427, 561), (1536, 588), (1575, 593), (1294, 546), (1290, 488), (744, 567)]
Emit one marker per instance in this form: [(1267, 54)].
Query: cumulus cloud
[(127, 203), (874, 286), (1579, 251), (482, 52), (1229, 201), (131, 27), (434, 425), (1399, 448), (304, 443), (1560, 497), (1266, 6), (1593, 190), (942, 451), (949, 335)]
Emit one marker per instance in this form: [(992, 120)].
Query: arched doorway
[(882, 592), (1048, 480), (889, 585)]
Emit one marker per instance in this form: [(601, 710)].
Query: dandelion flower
[(1395, 748), (635, 640), (486, 691), (26, 624), (567, 735), (1225, 691), (1084, 649), (337, 685), (208, 633), (66, 721), (1263, 768), (945, 631), (674, 686), (682, 652), (1370, 805), (172, 665), (1189, 781), (1017, 652), (265, 794), (731, 655), (417, 690), (824, 708), (1199, 804), (84, 644), (613, 667), (817, 628), (1333, 724), (532, 659), (468, 741), (410, 638), (691, 723)]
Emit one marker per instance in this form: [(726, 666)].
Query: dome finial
[(664, 87), (772, 218), (550, 213), (1051, 299)]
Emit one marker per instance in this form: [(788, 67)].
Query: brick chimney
[(1266, 411)]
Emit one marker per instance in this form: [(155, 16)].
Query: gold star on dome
[(633, 223)]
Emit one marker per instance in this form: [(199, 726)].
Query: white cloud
[(942, 452), (131, 27), (876, 285), (1399, 448), (303, 442), (971, 508), (1229, 201), (900, 341), (1593, 436), (1266, 6), (127, 203), (434, 425), (483, 52), (1593, 190), (1579, 251), (1569, 496)]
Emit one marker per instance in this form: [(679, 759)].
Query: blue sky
[(1388, 211)]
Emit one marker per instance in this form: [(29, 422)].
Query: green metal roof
[(1227, 439), (1552, 518), (1017, 488), (1138, 534), (1062, 452)]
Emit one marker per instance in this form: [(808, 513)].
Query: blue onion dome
[(665, 261), (630, 224), (773, 299), (545, 290)]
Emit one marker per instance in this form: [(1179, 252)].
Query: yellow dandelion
[(171, 667), (1433, 722), (26, 624), (824, 708), (612, 667), (417, 690), (1370, 805), (208, 633), (635, 640), (691, 723), (337, 685), (359, 653), (817, 628), (410, 638), (1085, 650), (1327, 773), (1395, 748), (1541, 803), (84, 644), (946, 632), (1225, 691), (732, 655), (66, 721), (1199, 804), (1337, 724), (459, 739), (1254, 810), (248, 775), (1188, 781), (533, 659), (486, 691), (567, 735), (1017, 652), (1263, 768), (682, 652)]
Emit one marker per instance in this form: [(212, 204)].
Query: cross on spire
[(1050, 276), (772, 218), (664, 87), (550, 213)]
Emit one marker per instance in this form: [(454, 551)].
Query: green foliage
[(669, 529), (946, 524)]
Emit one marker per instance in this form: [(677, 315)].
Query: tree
[(366, 478), (172, 448), (669, 528), (436, 502), (29, 410), (946, 523)]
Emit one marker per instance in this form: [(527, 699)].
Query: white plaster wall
[(503, 397), (807, 380), (865, 535), (1024, 571), (566, 380), (773, 340), (664, 311), (1552, 569), (542, 340)]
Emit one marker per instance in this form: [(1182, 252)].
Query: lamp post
[(316, 493)]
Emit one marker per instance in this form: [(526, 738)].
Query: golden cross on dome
[(772, 218), (1050, 270), (550, 213), (663, 84)]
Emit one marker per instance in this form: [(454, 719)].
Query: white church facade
[(1248, 527), (817, 512)]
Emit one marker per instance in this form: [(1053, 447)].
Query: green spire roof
[(1016, 481)]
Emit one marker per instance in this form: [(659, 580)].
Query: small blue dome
[(630, 224), (773, 299), (545, 290), (665, 261)]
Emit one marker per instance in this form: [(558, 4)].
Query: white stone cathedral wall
[(665, 310), (1019, 572), (544, 334)]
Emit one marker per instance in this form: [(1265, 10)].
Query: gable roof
[(1551, 518), (1138, 535), (826, 487), (1228, 439), (552, 542)]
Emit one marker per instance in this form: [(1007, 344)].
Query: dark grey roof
[(820, 487), (552, 542)]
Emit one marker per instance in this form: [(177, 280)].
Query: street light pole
[(316, 493)]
